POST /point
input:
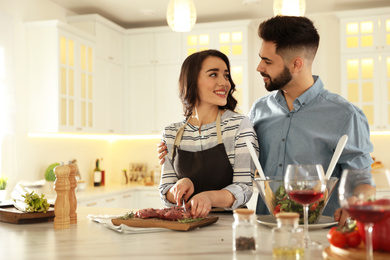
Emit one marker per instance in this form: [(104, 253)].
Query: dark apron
[(209, 169)]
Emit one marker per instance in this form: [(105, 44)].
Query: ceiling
[(145, 13)]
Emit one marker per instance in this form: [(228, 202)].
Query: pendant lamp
[(290, 7), (181, 15)]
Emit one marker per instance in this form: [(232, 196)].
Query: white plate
[(324, 222)]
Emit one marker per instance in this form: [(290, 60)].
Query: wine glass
[(305, 184), (360, 202)]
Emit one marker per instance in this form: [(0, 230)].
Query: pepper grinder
[(61, 206), (72, 193)]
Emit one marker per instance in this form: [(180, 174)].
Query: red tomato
[(277, 209), (314, 206), (329, 235), (353, 238), (338, 239)]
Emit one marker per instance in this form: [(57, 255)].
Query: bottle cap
[(287, 215)]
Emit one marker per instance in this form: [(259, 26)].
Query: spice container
[(244, 230), (287, 237)]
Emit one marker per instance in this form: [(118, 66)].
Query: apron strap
[(180, 133)]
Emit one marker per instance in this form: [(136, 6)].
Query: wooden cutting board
[(174, 225), (358, 253), (10, 214)]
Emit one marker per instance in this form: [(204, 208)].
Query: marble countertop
[(90, 240)]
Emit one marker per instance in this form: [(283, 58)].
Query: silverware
[(184, 205)]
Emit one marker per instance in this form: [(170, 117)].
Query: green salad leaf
[(288, 205)]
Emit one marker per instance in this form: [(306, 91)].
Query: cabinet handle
[(127, 196), (109, 200), (111, 131), (110, 58), (91, 204), (151, 195), (79, 129)]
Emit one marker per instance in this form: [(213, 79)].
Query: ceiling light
[(290, 7), (181, 15)]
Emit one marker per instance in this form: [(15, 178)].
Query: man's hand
[(341, 215), (161, 152)]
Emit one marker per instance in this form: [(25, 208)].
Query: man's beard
[(279, 82)]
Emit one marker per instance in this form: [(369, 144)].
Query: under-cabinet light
[(105, 137)]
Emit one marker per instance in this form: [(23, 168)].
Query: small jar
[(244, 230), (287, 237)]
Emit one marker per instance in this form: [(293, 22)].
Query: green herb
[(36, 203), (128, 215), (189, 220), (3, 183)]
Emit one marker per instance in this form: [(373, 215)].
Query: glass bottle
[(287, 237), (244, 230), (97, 175)]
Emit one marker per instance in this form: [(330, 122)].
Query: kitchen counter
[(90, 240)]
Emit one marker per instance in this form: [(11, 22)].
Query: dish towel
[(106, 221)]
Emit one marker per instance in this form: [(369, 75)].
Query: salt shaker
[(287, 237), (244, 230)]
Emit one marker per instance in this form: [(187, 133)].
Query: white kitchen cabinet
[(149, 199), (133, 198), (109, 36), (110, 98), (365, 63), (152, 46), (152, 74), (109, 70), (60, 75)]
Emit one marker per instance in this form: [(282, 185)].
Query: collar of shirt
[(303, 99)]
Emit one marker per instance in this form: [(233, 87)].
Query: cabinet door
[(167, 48), (68, 83), (385, 93), (169, 108), (86, 90), (149, 199), (140, 49), (140, 100), (109, 44), (361, 86), (115, 98), (385, 32), (360, 34), (109, 97)]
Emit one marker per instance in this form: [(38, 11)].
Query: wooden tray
[(174, 225), (358, 253), (10, 214)]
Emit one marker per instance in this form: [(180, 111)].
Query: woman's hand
[(200, 205), (182, 189)]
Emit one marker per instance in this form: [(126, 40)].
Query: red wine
[(368, 213), (305, 197)]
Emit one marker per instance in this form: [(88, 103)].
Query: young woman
[(208, 164)]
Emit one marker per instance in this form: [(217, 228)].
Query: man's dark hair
[(291, 33)]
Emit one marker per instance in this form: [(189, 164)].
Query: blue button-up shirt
[(309, 134)]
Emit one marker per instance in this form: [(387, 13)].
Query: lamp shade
[(290, 7), (181, 15)]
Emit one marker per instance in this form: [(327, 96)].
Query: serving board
[(358, 253), (154, 222), (10, 214)]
